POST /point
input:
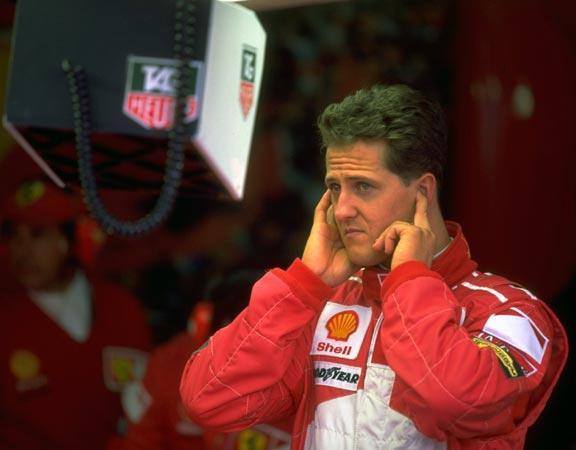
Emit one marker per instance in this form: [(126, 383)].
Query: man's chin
[(368, 258)]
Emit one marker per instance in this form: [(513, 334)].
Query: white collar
[(70, 308), (436, 255), (442, 250)]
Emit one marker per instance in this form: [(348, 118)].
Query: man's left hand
[(409, 242)]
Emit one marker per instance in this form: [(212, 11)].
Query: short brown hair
[(412, 126)]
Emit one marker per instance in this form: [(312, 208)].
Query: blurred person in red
[(70, 340), (157, 418)]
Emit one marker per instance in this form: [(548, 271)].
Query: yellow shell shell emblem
[(30, 193), (252, 440), (24, 364), (342, 325)]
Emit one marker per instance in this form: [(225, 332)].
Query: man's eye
[(334, 187), (363, 187)]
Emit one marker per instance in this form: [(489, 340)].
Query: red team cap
[(38, 202)]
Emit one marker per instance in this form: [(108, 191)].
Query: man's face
[(366, 198), (38, 255)]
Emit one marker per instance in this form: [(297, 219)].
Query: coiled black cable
[(184, 46)]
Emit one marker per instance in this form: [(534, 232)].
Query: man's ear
[(427, 184)]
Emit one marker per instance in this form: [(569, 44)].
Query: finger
[(393, 234), (389, 238), (378, 244), (421, 212), (330, 215), (390, 241), (321, 211)]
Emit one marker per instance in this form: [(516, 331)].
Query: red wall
[(514, 173)]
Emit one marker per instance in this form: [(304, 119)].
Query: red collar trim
[(455, 262)]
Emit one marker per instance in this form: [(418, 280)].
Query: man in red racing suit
[(431, 354)]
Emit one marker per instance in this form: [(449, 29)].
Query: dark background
[(505, 72)]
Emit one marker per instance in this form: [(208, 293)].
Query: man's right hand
[(324, 253)]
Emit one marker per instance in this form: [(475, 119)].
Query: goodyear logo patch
[(337, 375), (511, 367)]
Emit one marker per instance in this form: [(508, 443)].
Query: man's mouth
[(352, 232)]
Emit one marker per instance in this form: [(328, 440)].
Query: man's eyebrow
[(330, 179)]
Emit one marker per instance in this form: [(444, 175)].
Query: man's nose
[(344, 207)]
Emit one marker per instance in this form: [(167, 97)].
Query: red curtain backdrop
[(515, 139)]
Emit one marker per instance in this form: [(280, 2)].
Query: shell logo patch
[(342, 325), (29, 193), (24, 364), (252, 440), (340, 330)]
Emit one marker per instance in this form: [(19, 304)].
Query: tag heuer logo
[(149, 95), (247, 79)]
